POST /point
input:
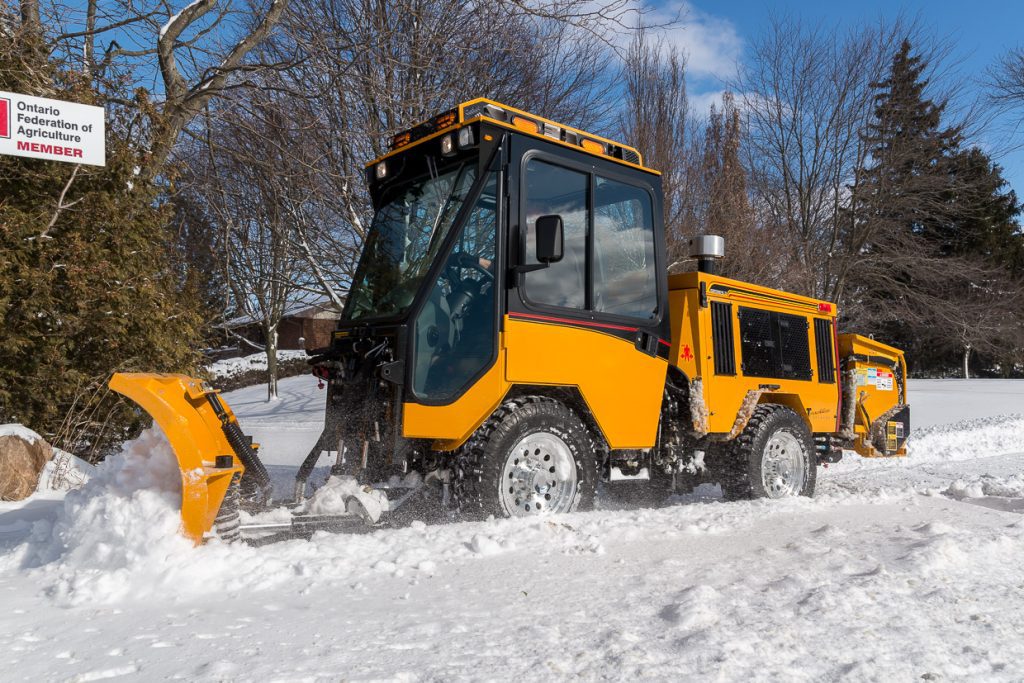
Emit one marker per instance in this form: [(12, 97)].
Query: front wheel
[(534, 456), (772, 458)]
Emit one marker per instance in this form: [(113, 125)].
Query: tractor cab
[(485, 217)]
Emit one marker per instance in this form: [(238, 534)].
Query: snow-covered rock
[(23, 455)]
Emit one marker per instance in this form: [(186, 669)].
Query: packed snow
[(898, 569)]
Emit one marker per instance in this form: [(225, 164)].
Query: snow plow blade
[(195, 421), (876, 414)]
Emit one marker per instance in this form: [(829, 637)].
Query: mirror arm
[(516, 272)]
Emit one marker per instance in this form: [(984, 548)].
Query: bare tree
[(371, 69), (198, 52), (1007, 83), (726, 209), (806, 92), (655, 118), (255, 190)]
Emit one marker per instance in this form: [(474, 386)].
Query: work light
[(447, 145), (466, 138)]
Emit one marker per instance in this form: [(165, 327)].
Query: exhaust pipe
[(708, 250)]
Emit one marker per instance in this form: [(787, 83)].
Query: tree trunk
[(272, 364), (967, 358)]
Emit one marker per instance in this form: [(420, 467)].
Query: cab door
[(596, 319)]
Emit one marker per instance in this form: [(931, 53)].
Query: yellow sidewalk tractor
[(511, 342)]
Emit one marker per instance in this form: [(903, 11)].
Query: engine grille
[(824, 350), (722, 339)]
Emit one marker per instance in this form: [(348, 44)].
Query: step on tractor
[(512, 342)]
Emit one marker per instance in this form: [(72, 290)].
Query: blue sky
[(980, 31)]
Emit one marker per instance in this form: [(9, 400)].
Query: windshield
[(404, 238)]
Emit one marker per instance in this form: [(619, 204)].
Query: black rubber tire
[(227, 524), (741, 476), (492, 444)]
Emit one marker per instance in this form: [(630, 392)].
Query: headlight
[(447, 145), (466, 138)]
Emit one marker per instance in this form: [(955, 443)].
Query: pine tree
[(984, 214), (87, 286), (904, 189), (929, 265)]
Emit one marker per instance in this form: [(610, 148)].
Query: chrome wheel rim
[(782, 466), (539, 477)]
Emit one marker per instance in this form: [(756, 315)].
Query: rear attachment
[(220, 466), (875, 411)]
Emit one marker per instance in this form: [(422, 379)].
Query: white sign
[(40, 128)]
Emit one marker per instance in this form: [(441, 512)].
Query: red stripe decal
[(572, 321), (668, 344)]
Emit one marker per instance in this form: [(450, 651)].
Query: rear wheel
[(534, 456), (773, 457)]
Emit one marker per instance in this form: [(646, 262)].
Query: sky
[(715, 35)]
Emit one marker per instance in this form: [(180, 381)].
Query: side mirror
[(550, 242)]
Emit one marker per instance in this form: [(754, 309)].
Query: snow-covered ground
[(230, 367), (898, 570)]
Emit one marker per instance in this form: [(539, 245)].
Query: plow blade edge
[(182, 406)]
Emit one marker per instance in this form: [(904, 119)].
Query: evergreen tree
[(933, 237), (984, 214), (904, 190), (87, 284)]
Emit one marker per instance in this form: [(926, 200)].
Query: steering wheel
[(467, 260)]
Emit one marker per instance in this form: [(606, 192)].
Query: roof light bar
[(520, 120)]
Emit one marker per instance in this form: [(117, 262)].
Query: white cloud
[(711, 44), (701, 102)]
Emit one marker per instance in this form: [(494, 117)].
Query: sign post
[(41, 128)]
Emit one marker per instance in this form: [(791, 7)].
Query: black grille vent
[(794, 347), (774, 344), (825, 353), (721, 336), (630, 156)]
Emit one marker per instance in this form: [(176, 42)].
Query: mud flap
[(180, 405)]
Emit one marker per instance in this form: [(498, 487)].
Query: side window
[(625, 280), (554, 190)]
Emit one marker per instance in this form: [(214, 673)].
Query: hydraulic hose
[(255, 472)]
